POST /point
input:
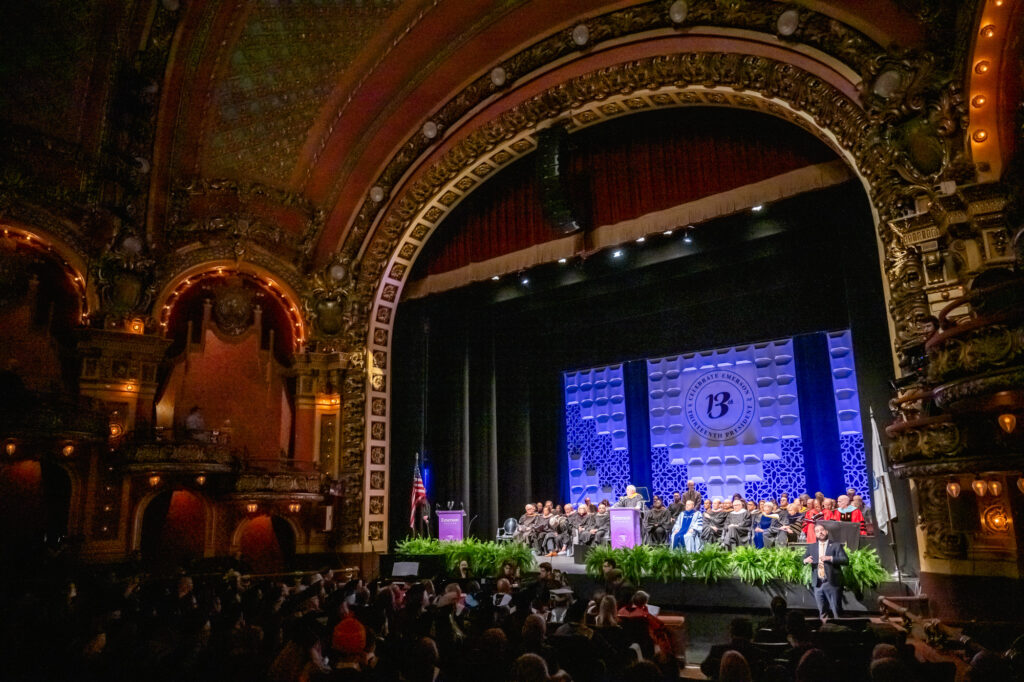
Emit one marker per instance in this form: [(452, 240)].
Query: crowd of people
[(690, 521), (505, 628)]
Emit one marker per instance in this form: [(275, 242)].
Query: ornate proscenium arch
[(709, 79)]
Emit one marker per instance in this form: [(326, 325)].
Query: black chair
[(507, 530)]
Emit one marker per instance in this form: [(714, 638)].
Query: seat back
[(510, 526)]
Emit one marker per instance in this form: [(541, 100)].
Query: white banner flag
[(881, 486)]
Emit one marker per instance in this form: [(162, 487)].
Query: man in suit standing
[(826, 559)]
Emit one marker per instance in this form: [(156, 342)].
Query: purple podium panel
[(625, 523), (449, 525)]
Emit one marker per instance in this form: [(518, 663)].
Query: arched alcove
[(173, 529), (267, 543)]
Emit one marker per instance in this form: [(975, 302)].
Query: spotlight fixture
[(641, 240), (617, 253), (953, 489), (563, 261), (524, 281), (667, 233), (495, 278), (758, 208), (687, 237)]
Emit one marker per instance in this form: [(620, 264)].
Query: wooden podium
[(450, 524), (625, 527)]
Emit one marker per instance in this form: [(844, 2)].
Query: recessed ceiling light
[(495, 277), (667, 233), (757, 208), (617, 254), (563, 261), (641, 240)]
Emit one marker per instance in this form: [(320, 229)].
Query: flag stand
[(892, 534)]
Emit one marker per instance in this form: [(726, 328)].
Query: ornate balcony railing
[(190, 456)]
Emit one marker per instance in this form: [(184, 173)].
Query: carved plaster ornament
[(125, 275), (330, 306), (233, 307)]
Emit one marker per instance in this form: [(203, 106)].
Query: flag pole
[(892, 534)]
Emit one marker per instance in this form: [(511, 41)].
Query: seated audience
[(741, 634)]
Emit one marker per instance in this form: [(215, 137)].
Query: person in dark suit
[(826, 559)]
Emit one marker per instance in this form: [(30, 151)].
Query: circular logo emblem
[(719, 405)]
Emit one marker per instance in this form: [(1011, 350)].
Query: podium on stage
[(450, 524), (625, 527)]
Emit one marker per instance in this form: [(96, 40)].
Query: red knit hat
[(349, 636)]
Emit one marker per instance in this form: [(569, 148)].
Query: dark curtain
[(621, 170)]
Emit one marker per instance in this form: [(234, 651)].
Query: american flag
[(419, 492)]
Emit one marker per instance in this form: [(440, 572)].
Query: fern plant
[(516, 553), (634, 562), (750, 565), (667, 564), (596, 558), (710, 564), (864, 571), (418, 546)]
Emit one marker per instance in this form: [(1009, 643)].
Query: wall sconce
[(116, 430), (10, 448), (136, 326), (1020, 484), (953, 489), (200, 480), (980, 487), (154, 480), (252, 507), (68, 450), (1007, 422), (995, 488), (294, 507)]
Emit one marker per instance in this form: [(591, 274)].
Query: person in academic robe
[(764, 522), (631, 499), (826, 559), (848, 512), (677, 505), (546, 534), (736, 531), (687, 528), (692, 494), (785, 527), (658, 522), (599, 527), (571, 523), (714, 522), (526, 532)]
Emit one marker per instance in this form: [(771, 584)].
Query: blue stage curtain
[(819, 425)]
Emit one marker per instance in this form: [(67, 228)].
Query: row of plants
[(762, 567), (485, 558), (776, 566)]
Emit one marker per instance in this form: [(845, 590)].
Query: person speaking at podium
[(631, 499)]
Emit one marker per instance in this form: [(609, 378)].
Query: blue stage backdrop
[(758, 419)]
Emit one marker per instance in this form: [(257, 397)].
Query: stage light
[(687, 238), (980, 488), (495, 278), (641, 240), (524, 281), (617, 253), (953, 489), (667, 233), (1008, 422), (563, 261), (758, 208)]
